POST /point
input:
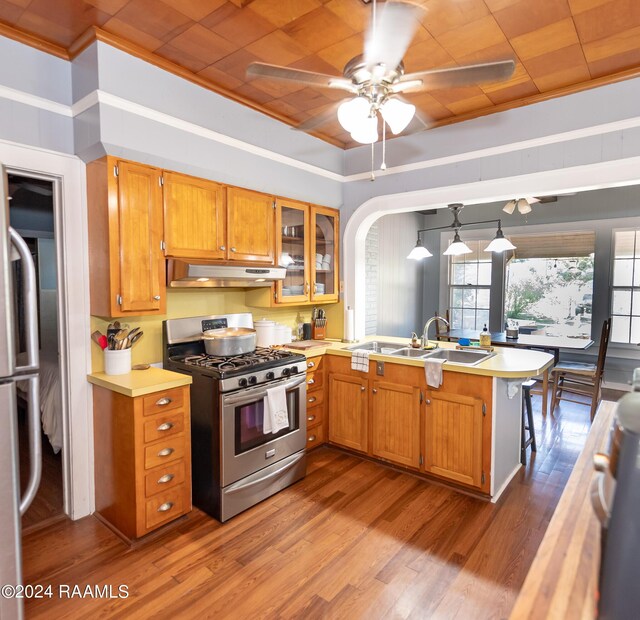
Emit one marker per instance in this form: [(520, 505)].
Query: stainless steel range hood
[(203, 274)]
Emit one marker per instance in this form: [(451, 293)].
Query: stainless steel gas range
[(235, 464)]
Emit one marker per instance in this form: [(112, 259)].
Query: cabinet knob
[(166, 452), (311, 364), (166, 426), (166, 478), (156, 297), (311, 381), (315, 288), (312, 399), (223, 247), (311, 438), (362, 388), (427, 401), (374, 391), (311, 418), (306, 284), (163, 402), (165, 507), (233, 250)]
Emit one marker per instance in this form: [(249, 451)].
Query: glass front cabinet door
[(292, 226), (324, 254)]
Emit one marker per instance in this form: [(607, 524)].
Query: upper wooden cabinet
[(251, 226), (125, 234), (323, 256), (194, 217)]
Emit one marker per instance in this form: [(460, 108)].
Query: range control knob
[(242, 382), (252, 380), (270, 375), (285, 372), (294, 370)]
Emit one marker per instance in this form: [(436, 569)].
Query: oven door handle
[(236, 488), (247, 397)]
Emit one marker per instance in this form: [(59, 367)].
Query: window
[(469, 287), (549, 284), (625, 297)]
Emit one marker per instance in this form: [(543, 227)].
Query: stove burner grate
[(247, 360)]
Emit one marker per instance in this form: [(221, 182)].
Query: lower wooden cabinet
[(348, 411), (142, 459), (316, 423), (395, 423), (453, 437)]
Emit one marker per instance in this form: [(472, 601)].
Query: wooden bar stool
[(527, 422)]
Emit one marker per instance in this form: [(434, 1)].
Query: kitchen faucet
[(424, 341)]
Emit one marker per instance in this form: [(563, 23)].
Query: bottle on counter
[(485, 337)]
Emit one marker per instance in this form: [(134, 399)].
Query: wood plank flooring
[(352, 540)]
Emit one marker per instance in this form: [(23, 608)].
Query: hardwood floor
[(352, 540)]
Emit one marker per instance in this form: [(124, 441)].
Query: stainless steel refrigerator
[(13, 504)]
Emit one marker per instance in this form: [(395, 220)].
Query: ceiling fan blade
[(387, 39), (326, 116), (467, 75), (276, 72)]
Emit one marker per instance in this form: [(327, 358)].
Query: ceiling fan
[(377, 77)]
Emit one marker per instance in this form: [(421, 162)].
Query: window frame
[(632, 288)]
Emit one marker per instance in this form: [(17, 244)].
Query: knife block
[(319, 329)]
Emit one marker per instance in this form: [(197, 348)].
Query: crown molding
[(33, 41)]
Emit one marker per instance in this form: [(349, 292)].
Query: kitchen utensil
[(229, 341), (141, 367), (319, 329), (265, 332), (121, 338), (133, 339), (95, 336), (306, 331), (103, 342)]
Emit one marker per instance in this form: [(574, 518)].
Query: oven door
[(245, 448)]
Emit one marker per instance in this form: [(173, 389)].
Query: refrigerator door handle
[(35, 444), (30, 302)]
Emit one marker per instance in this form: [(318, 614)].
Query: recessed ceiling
[(559, 45)]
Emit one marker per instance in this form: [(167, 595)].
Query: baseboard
[(505, 484)]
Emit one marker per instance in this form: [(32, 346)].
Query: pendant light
[(419, 251), (500, 243), (457, 247)]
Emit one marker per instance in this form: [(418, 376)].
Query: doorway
[(32, 215)]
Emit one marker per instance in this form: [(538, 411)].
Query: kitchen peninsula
[(466, 432)]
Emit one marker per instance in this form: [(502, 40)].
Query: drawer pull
[(156, 297), (165, 507), (313, 399), (163, 402), (166, 478), (311, 364), (166, 452), (166, 426), (311, 418), (311, 438), (233, 250), (311, 381)]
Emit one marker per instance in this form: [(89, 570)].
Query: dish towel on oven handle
[(276, 415), (360, 360), (433, 372)]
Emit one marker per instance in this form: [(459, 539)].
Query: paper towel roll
[(349, 324)]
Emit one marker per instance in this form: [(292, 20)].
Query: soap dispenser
[(485, 337)]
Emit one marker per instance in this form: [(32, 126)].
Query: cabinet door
[(324, 254), (453, 441), (194, 217), (250, 226), (292, 251), (396, 423), (348, 423), (142, 264)]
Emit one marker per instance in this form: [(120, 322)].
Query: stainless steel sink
[(376, 346), (410, 353), (454, 356)]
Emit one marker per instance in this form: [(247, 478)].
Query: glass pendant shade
[(500, 243), (457, 248), (352, 113), (523, 206), (419, 252), (510, 207), (366, 131), (397, 114)]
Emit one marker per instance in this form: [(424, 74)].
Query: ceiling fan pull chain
[(383, 165), (373, 175)]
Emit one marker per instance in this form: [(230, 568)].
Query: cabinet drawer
[(314, 363), (163, 425), (314, 380), (162, 479), (315, 437), (164, 507), (164, 451), (315, 397), (315, 416), (162, 401)]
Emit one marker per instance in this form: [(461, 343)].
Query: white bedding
[(50, 397)]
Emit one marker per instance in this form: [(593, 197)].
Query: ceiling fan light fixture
[(397, 114), (510, 207), (353, 112), (523, 206), (419, 251), (366, 131), (457, 247)]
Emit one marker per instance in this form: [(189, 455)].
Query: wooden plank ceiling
[(560, 45)]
